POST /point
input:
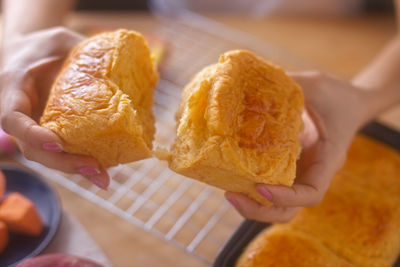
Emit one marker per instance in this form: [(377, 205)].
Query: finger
[(29, 132), (250, 209), (309, 187), (58, 41), (16, 108), (69, 163), (299, 194), (309, 135), (311, 83)]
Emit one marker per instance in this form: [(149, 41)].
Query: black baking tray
[(249, 229)]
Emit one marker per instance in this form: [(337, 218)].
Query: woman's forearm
[(383, 70), (24, 16), (378, 101), (381, 80)]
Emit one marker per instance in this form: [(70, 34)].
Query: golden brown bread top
[(245, 112), (375, 165), (358, 219), (281, 246), (368, 224), (268, 102), (253, 102), (101, 102)]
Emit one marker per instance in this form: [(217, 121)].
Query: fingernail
[(264, 192), (88, 171), (98, 183), (55, 147), (233, 202)]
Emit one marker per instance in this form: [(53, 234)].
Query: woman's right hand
[(30, 64), (335, 110)]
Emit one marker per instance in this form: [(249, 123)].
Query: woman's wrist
[(379, 81), (18, 23), (378, 100), (52, 43)]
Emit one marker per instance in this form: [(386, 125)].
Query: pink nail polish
[(88, 171), (264, 192), (233, 202), (98, 183), (52, 147)]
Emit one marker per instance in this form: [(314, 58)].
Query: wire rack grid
[(186, 213)]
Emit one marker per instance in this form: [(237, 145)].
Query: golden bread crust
[(101, 102), (239, 124), (366, 223), (358, 219), (284, 247)]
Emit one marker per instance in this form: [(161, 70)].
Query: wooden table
[(341, 46), (338, 45)]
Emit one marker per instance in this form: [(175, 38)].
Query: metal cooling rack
[(186, 213)]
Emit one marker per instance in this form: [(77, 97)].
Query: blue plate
[(48, 205)]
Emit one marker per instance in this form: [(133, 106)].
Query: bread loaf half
[(238, 125), (101, 102)]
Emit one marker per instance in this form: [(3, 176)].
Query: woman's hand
[(335, 110), (29, 65)]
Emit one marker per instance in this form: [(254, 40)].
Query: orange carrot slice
[(20, 215)]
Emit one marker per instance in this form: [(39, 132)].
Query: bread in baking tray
[(238, 125), (282, 246), (101, 102), (358, 219), (377, 167), (360, 226)]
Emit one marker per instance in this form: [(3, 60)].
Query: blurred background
[(252, 7), (305, 28)]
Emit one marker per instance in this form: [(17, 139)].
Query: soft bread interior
[(133, 78), (192, 130)]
